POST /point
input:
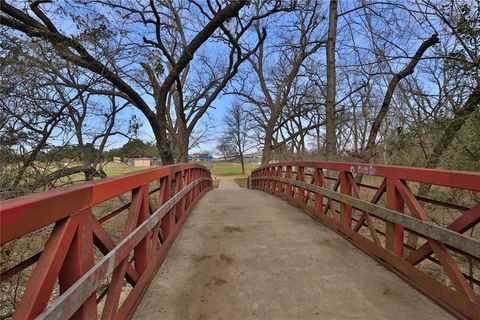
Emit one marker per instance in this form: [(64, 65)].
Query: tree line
[(392, 82)]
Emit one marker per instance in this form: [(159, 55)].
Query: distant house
[(139, 162), (205, 156), (255, 157), (117, 159)]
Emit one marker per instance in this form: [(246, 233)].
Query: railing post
[(37, 292), (278, 184), (267, 182), (394, 232), (168, 220), (288, 175), (78, 261), (262, 182), (281, 184), (301, 177), (346, 209), (188, 179), (319, 180), (141, 250), (179, 183), (194, 189), (271, 172), (261, 173)]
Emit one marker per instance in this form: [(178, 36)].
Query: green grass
[(221, 168), (218, 168), (112, 171)]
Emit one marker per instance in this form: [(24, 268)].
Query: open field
[(112, 169), (223, 168), (115, 169), (218, 168)]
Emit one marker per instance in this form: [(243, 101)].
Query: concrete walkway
[(245, 254)]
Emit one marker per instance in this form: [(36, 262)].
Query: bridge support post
[(168, 220), (394, 232), (271, 183), (78, 261), (283, 185), (319, 180), (277, 184), (179, 183), (301, 191), (346, 209), (141, 251), (288, 186)]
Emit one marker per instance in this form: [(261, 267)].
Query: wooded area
[(394, 82)]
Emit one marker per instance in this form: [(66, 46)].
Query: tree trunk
[(369, 151), (165, 152), (268, 143), (331, 137), (242, 162), (183, 143), (87, 161), (163, 143)]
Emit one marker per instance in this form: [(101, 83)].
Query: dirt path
[(245, 254), (228, 182)]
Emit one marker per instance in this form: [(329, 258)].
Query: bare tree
[(236, 135), (203, 82), (225, 149), (43, 115), (408, 70), (461, 21), (277, 66), (88, 49), (330, 138)]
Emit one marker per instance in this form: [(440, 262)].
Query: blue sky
[(217, 112), (214, 119)]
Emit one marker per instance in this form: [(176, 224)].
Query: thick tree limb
[(408, 70)]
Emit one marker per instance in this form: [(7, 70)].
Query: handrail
[(450, 238), (448, 178), (15, 218), (331, 193), (93, 286)]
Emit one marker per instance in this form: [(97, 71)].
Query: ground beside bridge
[(245, 254)]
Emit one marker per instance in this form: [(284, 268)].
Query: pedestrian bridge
[(307, 240)]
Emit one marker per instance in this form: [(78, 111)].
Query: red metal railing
[(103, 259), (431, 243)]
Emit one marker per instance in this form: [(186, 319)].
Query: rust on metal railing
[(68, 254), (348, 207)]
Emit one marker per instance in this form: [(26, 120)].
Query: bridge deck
[(244, 254)]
